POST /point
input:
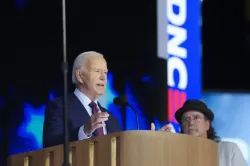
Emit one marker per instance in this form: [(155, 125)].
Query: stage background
[(31, 56), (231, 120)]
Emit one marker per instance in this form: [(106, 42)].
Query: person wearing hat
[(196, 119)]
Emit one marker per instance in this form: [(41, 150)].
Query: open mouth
[(101, 85)]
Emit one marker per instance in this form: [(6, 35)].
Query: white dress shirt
[(85, 102), (230, 155)]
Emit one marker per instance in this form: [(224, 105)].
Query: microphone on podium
[(123, 102)]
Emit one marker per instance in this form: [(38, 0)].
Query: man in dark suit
[(87, 118)]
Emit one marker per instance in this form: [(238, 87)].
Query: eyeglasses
[(196, 118)]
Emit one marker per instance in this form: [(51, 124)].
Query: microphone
[(123, 102)]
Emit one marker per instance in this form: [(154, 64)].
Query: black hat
[(194, 105)]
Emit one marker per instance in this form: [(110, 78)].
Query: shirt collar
[(83, 98)]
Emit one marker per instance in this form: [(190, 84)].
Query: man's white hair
[(79, 62)]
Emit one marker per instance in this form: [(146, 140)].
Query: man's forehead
[(192, 112), (96, 61), (99, 68)]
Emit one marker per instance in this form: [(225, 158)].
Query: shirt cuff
[(82, 135)]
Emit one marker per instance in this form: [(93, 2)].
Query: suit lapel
[(82, 110), (108, 121)]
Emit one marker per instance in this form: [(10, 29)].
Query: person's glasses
[(195, 118)]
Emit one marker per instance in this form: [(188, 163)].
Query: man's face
[(195, 123), (94, 77)]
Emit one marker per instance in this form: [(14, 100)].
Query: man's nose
[(192, 121), (102, 76)]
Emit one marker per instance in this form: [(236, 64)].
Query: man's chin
[(100, 93), (194, 133)]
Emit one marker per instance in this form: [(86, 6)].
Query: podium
[(128, 148)]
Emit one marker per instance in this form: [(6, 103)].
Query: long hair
[(211, 134)]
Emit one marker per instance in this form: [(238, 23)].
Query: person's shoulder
[(228, 145), (234, 150), (55, 101), (58, 101)]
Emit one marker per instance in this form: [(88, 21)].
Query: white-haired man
[(87, 118)]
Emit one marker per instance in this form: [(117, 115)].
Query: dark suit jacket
[(77, 116)]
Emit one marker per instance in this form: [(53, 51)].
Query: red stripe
[(176, 103), (170, 105), (176, 99)]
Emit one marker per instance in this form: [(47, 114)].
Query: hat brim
[(207, 112)]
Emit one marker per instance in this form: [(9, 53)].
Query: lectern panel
[(129, 148)]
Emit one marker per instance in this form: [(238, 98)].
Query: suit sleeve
[(53, 132), (237, 158)]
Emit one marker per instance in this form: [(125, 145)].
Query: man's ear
[(207, 124), (79, 75)]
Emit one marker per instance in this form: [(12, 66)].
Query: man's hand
[(166, 128), (95, 122)]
